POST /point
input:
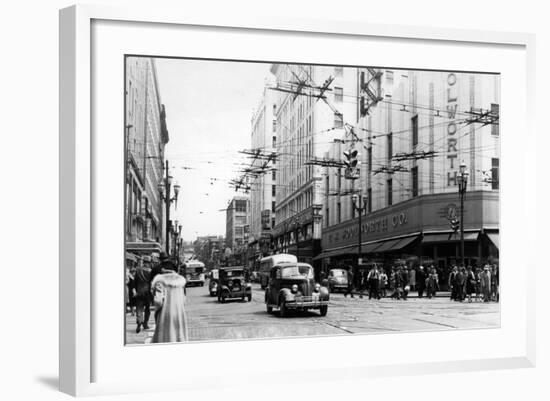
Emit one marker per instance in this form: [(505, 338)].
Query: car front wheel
[(323, 310)]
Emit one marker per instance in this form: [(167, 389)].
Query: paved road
[(210, 320)]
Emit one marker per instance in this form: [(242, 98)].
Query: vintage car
[(337, 279), (213, 282), (233, 283), (292, 287), (193, 270)]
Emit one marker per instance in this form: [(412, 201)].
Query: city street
[(210, 320)]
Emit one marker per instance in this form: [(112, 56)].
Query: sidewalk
[(411, 294)]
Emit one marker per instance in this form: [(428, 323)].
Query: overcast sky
[(209, 106)]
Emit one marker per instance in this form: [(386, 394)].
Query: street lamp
[(462, 183), (165, 195), (359, 204)]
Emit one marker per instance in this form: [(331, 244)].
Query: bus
[(269, 261), (193, 270)]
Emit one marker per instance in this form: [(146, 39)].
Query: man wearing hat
[(142, 284)]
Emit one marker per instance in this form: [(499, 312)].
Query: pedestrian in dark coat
[(461, 283), (470, 283), (349, 290), (421, 281), (478, 283), (453, 284), (432, 284), (144, 297)]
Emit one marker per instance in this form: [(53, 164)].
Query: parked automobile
[(233, 283), (292, 287), (337, 280), (213, 282)]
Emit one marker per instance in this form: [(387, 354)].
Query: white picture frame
[(81, 347)]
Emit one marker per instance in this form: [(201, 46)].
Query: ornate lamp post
[(164, 188), (359, 204), (462, 183)]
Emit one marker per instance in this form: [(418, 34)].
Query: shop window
[(338, 120), (338, 94), (495, 111), (414, 123), (414, 175), (369, 200), (390, 146), (494, 173)]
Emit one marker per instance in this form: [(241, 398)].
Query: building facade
[(209, 250), (263, 183), (412, 140), (146, 136), (308, 119), (238, 228)]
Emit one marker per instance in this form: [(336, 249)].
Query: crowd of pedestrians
[(158, 285), (397, 282), (464, 282)]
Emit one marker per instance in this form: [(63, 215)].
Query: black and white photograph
[(271, 200)]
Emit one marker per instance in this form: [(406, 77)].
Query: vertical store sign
[(452, 153)]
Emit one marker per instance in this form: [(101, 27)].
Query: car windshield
[(194, 270), (290, 271), (306, 271), (337, 273), (296, 271)]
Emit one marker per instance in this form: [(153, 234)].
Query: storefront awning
[(387, 245), (404, 242), (330, 253), (444, 237), (369, 248), (495, 239), (143, 247)]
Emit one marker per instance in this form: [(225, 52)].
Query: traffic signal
[(455, 224), (351, 163)]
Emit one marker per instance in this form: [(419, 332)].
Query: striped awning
[(143, 247), (495, 239), (449, 236)]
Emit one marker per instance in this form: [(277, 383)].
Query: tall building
[(413, 139), (307, 122), (237, 228), (146, 136), (263, 185)]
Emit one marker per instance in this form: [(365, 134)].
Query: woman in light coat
[(169, 299)]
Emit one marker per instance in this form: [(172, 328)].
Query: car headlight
[(317, 287), (230, 283), (294, 288)]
